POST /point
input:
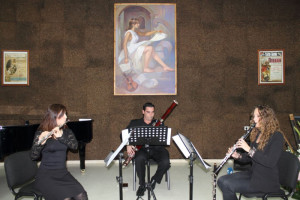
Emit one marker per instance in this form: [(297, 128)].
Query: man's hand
[(130, 150)]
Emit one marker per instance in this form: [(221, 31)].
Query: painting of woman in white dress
[(145, 49)]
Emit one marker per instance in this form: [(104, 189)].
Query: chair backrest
[(289, 167), (19, 169)]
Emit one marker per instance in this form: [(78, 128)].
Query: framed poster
[(145, 58), (271, 67), (15, 68)]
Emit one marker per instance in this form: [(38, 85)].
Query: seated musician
[(157, 153), (53, 179), (264, 152)]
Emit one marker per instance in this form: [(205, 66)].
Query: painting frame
[(134, 76), (15, 68), (271, 66)]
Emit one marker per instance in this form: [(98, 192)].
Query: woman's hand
[(243, 145), (126, 60), (57, 132), (42, 136), (234, 155), (130, 150)]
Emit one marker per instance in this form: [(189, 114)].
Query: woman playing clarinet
[(266, 145), (51, 142)]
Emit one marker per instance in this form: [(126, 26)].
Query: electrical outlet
[(246, 128)]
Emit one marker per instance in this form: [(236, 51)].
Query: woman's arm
[(272, 151), (148, 33), (36, 149), (242, 157), (69, 139), (126, 39)]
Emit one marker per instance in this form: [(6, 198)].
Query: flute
[(49, 134)]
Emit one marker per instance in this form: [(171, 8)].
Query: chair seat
[(30, 190), (260, 195), (20, 173), (281, 193)]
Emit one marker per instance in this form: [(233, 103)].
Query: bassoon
[(156, 123), (218, 169)]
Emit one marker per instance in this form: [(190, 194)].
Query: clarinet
[(49, 134), (218, 169), (156, 123)]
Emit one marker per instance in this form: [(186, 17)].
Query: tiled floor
[(100, 182)]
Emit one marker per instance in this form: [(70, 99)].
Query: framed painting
[(271, 67), (145, 51), (15, 68)]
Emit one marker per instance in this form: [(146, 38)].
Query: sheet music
[(82, 119), (125, 135), (205, 164), (152, 135), (169, 136), (125, 138), (181, 146), (187, 147), (116, 153)]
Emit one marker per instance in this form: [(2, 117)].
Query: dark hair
[(132, 22), (148, 104), (8, 64), (54, 111)]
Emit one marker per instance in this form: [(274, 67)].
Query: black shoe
[(153, 183), (140, 192)]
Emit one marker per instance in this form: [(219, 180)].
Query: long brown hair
[(54, 111), (269, 124)]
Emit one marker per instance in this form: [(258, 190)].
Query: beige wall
[(71, 62)]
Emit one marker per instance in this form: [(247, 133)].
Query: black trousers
[(157, 153), (235, 183)]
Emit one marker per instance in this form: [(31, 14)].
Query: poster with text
[(270, 67)]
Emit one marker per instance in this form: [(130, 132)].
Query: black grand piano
[(20, 138)]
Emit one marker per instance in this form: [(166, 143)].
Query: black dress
[(53, 179)]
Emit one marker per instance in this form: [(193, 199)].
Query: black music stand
[(111, 156), (189, 151), (150, 135)]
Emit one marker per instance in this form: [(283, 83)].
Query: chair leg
[(240, 196), (168, 179), (134, 175)]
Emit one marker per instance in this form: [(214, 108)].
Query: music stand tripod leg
[(120, 177), (191, 177)]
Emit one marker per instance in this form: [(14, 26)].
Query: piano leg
[(81, 150)]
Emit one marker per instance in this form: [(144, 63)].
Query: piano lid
[(20, 138)]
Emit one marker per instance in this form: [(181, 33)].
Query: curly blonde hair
[(268, 125)]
